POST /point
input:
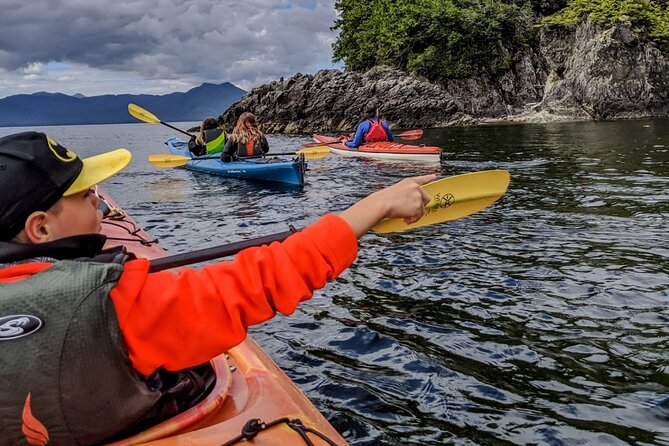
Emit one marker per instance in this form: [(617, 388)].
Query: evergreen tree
[(445, 39)]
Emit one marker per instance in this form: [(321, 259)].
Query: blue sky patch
[(311, 6), (57, 66)]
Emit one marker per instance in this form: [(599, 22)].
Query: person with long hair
[(373, 128), (246, 140), (209, 140)]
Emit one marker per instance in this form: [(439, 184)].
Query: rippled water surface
[(541, 320)]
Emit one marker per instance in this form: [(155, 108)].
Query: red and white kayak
[(252, 395), (382, 150)]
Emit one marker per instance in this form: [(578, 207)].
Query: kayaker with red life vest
[(246, 140), (209, 140), (93, 346), (373, 128)]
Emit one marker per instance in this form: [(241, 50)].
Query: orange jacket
[(178, 319)]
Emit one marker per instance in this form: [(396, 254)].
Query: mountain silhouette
[(44, 108)]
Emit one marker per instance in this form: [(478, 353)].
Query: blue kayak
[(267, 168)]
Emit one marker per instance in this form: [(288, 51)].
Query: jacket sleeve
[(195, 148), (363, 127), (264, 145), (180, 319), (385, 125), (228, 150)]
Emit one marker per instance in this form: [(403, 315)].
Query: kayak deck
[(249, 385), (265, 168), (382, 149)]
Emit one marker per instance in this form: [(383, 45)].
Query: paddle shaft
[(215, 252), (211, 157), (146, 116), (407, 134), (174, 128)]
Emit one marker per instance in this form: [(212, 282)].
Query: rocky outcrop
[(573, 74), (603, 74), (334, 100)]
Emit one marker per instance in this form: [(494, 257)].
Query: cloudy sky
[(97, 47)]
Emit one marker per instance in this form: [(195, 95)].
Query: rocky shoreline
[(581, 73)]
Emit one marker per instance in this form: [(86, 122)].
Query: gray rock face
[(573, 74), (334, 100), (603, 74)]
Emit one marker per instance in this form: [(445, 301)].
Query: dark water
[(541, 320)]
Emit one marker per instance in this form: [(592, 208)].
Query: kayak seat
[(218, 384), (186, 389)]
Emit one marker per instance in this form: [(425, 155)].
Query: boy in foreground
[(92, 345)]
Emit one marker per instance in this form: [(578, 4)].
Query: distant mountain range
[(59, 109)]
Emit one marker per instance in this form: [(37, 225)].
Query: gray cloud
[(165, 42)]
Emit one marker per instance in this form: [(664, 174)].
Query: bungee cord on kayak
[(255, 426), (111, 215)]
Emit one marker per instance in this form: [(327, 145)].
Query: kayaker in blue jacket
[(373, 128), (246, 140)]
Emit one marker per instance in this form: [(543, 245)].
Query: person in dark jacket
[(94, 345), (209, 140), (373, 128), (246, 140)]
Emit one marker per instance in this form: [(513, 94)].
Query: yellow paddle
[(452, 198), (146, 116), (167, 161)]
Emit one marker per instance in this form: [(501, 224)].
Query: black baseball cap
[(36, 172)]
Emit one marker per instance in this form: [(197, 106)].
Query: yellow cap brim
[(98, 168)]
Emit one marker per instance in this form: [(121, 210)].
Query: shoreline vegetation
[(449, 39), (441, 63)]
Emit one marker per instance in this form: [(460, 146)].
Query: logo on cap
[(61, 152)]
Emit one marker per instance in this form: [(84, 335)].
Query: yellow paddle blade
[(313, 153), (167, 161), (454, 197), (141, 114)]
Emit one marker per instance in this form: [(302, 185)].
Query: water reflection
[(542, 320)]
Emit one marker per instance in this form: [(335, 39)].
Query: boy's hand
[(405, 200)]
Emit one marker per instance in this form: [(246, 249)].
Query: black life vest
[(251, 148), (64, 355)]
